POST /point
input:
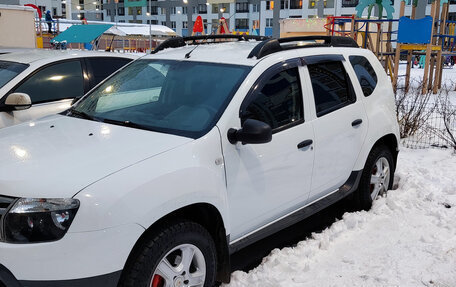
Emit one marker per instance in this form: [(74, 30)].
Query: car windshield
[(179, 97), (9, 70)]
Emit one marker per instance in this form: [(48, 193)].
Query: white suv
[(183, 157)]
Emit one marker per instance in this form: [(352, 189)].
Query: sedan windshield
[(9, 70), (179, 97)]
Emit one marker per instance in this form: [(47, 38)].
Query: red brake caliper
[(158, 281)]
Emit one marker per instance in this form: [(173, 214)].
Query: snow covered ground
[(408, 238)]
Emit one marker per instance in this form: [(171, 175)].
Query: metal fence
[(427, 125)]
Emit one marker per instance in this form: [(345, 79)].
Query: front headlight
[(32, 220)]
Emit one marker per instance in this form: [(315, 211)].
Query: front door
[(267, 181), (51, 90)]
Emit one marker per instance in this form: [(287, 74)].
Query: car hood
[(58, 156)]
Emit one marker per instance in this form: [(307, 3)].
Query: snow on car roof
[(27, 56), (228, 52)]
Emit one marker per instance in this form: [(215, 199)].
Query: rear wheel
[(181, 255), (377, 177)]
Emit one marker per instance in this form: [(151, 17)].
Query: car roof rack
[(271, 46), (177, 42)]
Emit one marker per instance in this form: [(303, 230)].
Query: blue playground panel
[(415, 31)]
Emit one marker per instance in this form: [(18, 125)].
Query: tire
[(373, 182), (181, 254)]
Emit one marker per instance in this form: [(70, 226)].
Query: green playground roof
[(81, 33)]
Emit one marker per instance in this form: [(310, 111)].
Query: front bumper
[(8, 280), (78, 259)]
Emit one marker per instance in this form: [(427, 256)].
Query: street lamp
[(150, 24)]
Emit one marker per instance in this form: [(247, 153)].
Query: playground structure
[(432, 37), (119, 37)]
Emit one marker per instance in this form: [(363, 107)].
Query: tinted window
[(9, 70), (330, 86), (279, 102), (104, 67), (55, 82), (179, 97), (365, 73)]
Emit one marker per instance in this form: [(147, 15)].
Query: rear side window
[(102, 67), (279, 103), (365, 73), (331, 87), (58, 81)]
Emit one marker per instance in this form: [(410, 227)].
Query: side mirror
[(18, 101), (252, 132)]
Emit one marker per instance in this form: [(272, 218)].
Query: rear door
[(340, 123)]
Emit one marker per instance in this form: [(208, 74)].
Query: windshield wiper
[(126, 124), (80, 114)]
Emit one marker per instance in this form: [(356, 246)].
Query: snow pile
[(407, 239)]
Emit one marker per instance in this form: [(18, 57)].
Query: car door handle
[(305, 143), (357, 122)]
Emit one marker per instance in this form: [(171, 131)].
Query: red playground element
[(40, 14), (198, 26), (223, 27), (331, 22)]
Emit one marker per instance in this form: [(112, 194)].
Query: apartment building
[(241, 15)]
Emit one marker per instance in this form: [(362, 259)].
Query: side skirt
[(346, 189)]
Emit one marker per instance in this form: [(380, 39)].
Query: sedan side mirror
[(252, 132), (18, 101)]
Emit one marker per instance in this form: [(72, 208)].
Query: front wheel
[(181, 255), (377, 177)]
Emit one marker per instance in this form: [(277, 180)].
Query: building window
[(220, 8), (121, 11), (154, 10), (452, 16), (184, 10), (242, 7), (284, 4), (173, 24), (295, 4), (269, 22), (132, 10), (350, 3), (242, 23), (202, 8), (269, 5), (173, 10), (108, 12), (184, 25), (163, 23), (255, 8)]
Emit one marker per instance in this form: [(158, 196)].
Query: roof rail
[(176, 42), (271, 46)]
